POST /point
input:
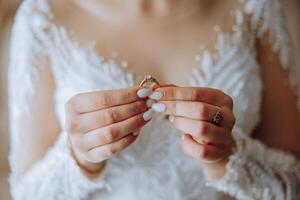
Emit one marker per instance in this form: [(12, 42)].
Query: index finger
[(94, 101), (202, 94)]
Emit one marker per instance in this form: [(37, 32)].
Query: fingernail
[(159, 107), (171, 118), (156, 95), (149, 103), (148, 115), (143, 92)]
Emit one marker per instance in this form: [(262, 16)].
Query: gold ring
[(148, 79), (217, 118)]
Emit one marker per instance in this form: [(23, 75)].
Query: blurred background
[(7, 12)]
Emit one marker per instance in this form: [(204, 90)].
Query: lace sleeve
[(56, 175), (256, 171), (268, 17)]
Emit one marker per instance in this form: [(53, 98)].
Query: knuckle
[(110, 117), (109, 134)]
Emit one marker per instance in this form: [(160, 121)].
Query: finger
[(201, 152), (206, 95), (102, 153), (190, 109), (202, 132), (113, 132), (195, 110), (97, 119), (154, 86), (93, 101), (168, 85)]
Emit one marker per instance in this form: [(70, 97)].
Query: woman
[(82, 128)]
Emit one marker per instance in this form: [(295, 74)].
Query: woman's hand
[(101, 124), (192, 110)]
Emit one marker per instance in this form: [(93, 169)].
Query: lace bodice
[(155, 166)]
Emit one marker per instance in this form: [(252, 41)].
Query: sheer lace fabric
[(155, 166)]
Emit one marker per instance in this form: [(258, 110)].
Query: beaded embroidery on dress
[(159, 171)]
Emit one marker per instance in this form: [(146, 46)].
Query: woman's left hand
[(192, 110)]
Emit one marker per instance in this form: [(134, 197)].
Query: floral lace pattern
[(159, 171)]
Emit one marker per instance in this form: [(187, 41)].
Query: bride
[(223, 79)]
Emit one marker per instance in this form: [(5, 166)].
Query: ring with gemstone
[(148, 80), (217, 118)]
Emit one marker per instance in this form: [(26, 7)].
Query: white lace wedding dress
[(154, 167)]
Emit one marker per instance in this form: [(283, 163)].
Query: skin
[(144, 23), (193, 108), (100, 124)]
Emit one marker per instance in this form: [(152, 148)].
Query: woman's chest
[(168, 48), (167, 53)]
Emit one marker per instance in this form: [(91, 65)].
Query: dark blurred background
[(7, 12)]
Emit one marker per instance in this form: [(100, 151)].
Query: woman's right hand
[(101, 124)]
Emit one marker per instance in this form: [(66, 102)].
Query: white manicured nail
[(144, 92), (149, 103), (159, 107), (148, 115), (171, 118), (156, 95)]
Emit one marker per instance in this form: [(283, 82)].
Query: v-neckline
[(205, 57)]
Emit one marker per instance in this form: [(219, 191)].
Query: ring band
[(148, 79), (217, 118)]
